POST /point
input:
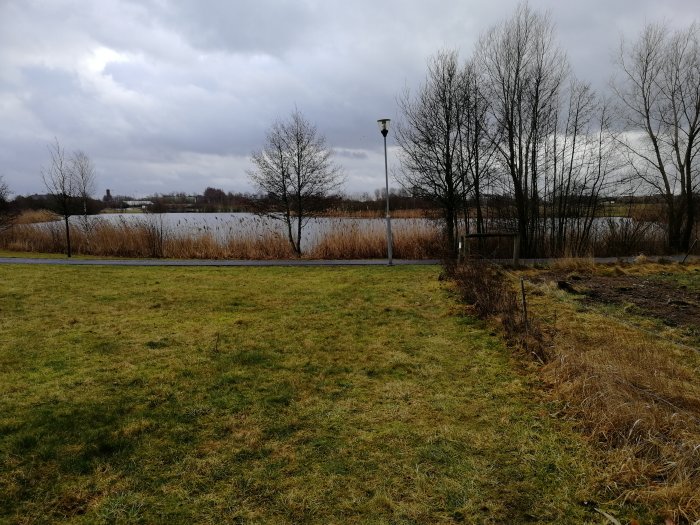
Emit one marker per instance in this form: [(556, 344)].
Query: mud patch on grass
[(673, 305)]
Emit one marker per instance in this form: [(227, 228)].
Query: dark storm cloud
[(174, 95)]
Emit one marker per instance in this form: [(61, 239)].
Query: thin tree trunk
[(68, 248), (288, 222)]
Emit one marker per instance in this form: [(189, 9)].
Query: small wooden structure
[(464, 249)]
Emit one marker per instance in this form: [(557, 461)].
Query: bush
[(488, 290)]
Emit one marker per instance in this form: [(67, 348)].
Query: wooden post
[(690, 250), (522, 291), (516, 250)]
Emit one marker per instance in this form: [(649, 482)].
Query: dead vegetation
[(630, 388), (490, 294), (144, 239), (418, 242), (36, 216), (150, 238)]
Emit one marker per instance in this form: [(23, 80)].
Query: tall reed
[(151, 238), (417, 240)]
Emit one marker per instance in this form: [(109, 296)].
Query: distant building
[(138, 204), (107, 197)]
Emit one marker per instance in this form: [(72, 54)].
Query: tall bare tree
[(476, 145), (660, 95), (431, 137), (294, 168), (69, 180), (60, 183), (579, 159), (523, 71)]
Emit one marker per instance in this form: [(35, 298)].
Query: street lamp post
[(384, 128)]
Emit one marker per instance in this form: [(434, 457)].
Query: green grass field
[(269, 395)]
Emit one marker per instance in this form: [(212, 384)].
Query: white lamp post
[(384, 128)]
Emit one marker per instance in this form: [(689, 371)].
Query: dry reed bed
[(149, 238), (34, 216), (635, 395), (419, 242)]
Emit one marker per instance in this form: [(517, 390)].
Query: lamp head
[(384, 125)]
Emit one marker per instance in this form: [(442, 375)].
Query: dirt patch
[(674, 305)]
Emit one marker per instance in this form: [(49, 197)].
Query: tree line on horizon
[(214, 200)]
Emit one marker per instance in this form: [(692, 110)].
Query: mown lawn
[(269, 395)]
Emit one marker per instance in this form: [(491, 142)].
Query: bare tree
[(523, 71), (4, 190), (477, 147), (69, 181), (578, 160), (431, 135), (84, 174), (660, 95), (294, 168), (6, 216), (60, 183), (509, 118)]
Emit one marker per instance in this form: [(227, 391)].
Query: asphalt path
[(212, 262), (301, 262)]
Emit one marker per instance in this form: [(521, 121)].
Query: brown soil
[(674, 305)]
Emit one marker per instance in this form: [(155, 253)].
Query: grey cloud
[(185, 90), (350, 154), (264, 26)]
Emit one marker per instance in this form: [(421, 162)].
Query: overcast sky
[(170, 96)]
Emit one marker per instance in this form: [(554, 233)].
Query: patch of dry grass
[(573, 264), (634, 394), (489, 293)]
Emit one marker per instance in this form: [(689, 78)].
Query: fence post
[(690, 250), (522, 291)]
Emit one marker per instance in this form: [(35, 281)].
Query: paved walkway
[(211, 262), (297, 262)]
